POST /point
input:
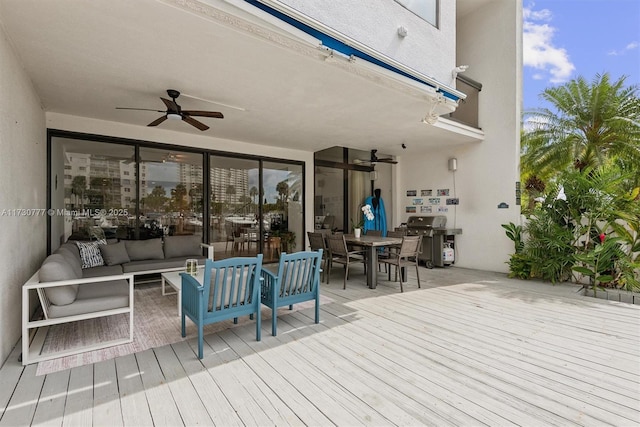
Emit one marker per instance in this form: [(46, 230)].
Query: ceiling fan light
[(174, 116)]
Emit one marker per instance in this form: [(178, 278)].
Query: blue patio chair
[(229, 288), (297, 280)]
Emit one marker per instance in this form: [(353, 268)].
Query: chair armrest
[(33, 283), (209, 248), (190, 282), (268, 283)]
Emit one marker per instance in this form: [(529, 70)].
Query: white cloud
[(539, 51), (628, 47)]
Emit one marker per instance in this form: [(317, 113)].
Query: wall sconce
[(453, 164)]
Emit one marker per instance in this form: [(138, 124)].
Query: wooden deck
[(469, 348)]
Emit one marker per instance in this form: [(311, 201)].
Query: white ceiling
[(273, 86)]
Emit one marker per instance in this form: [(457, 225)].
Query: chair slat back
[(337, 245), (316, 241), (410, 246), (231, 282), (376, 233), (299, 272), (396, 233)]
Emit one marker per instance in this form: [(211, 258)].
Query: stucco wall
[(426, 48), (487, 170), (22, 185)]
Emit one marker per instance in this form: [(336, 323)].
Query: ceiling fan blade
[(171, 106), (393, 162), (156, 122), (140, 109), (195, 123), (199, 113)]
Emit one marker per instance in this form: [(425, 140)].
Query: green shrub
[(592, 230)]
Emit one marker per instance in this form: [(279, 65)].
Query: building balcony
[(467, 111)]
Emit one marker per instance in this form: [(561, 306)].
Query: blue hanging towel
[(379, 221)]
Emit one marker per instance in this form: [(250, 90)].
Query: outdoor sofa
[(85, 280)]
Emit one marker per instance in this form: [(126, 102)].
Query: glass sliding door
[(329, 198), (255, 207), (359, 189), (282, 209), (93, 189), (234, 201), (171, 193), (130, 190)]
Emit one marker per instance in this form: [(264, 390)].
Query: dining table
[(372, 245)]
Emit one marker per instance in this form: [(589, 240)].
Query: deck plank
[(24, 400), (133, 401), (469, 348), (545, 392), (107, 410), (10, 374), (78, 410), (51, 404), (159, 397), (214, 400), (184, 394)]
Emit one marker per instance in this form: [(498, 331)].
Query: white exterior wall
[(375, 23), (489, 41), (22, 185), (489, 170)]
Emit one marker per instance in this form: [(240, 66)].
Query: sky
[(565, 39)]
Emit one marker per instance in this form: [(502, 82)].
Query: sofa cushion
[(114, 254), (93, 297), (103, 270), (90, 253), (144, 249), (72, 256), (54, 268), (182, 246)]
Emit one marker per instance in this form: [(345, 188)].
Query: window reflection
[(171, 193), (282, 209), (97, 199), (254, 206), (234, 207)]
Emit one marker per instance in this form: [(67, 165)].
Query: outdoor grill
[(434, 234)]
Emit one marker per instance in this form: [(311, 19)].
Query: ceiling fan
[(374, 159), (175, 112)]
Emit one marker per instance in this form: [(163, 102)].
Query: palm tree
[(591, 125)]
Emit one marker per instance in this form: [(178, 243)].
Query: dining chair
[(406, 256), (234, 237), (392, 248), (377, 233), (339, 254), (251, 237), (316, 242)]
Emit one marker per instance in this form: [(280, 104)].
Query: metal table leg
[(372, 267)]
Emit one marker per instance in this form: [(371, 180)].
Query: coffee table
[(173, 279)]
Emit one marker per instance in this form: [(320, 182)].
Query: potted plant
[(366, 213)]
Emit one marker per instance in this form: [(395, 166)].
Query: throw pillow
[(182, 246), (90, 253), (142, 250), (114, 254)]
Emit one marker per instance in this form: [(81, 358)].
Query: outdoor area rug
[(156, 323)]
